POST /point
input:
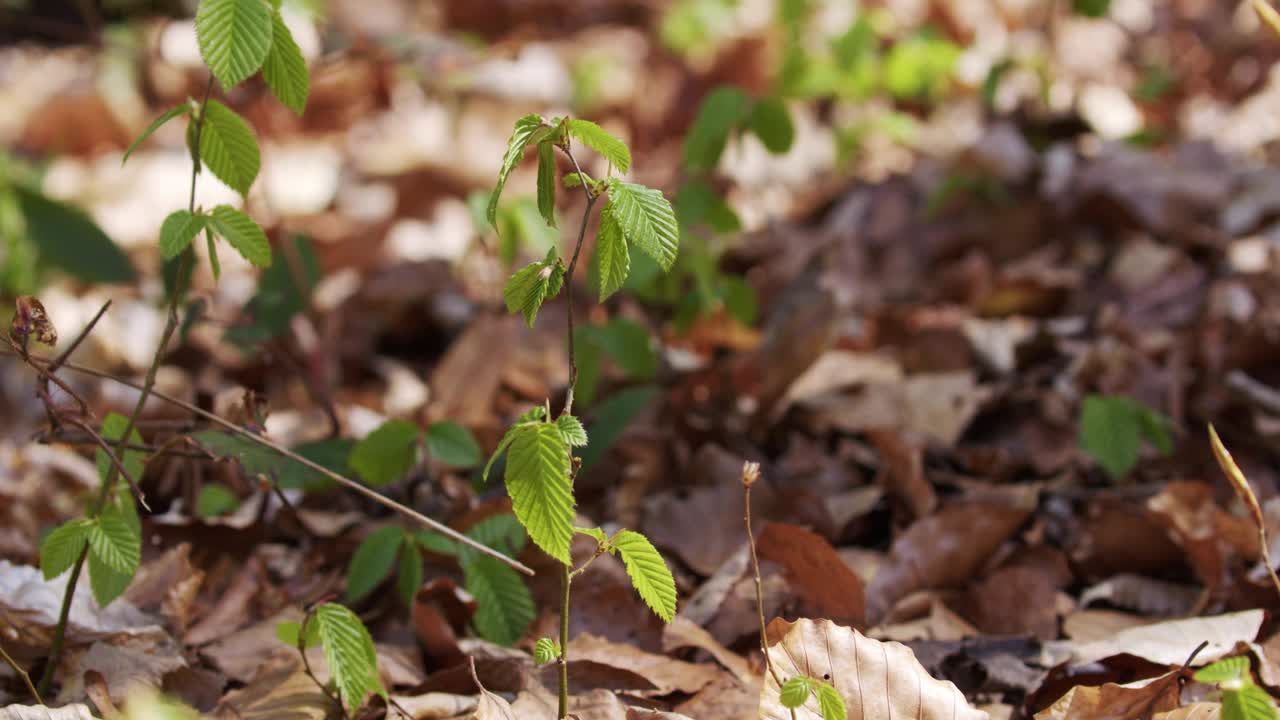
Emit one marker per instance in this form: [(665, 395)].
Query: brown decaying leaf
[(1134, 701), (30, 321), (876, 679), (940, 551), (666, 674), (825, 583), (681, 633), (903, 472), (280, 691), (1195, 711), (1209, 535)]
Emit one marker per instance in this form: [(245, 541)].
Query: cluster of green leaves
[(113, 536), (348, 650), (797, 691), (1242, 699), (388, 453), (1113, 428)]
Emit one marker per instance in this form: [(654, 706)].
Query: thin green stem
[(566, 581)]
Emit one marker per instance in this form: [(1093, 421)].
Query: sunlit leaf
[(649, 574), (284, 68), (234, 37)]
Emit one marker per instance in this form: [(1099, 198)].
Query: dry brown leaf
[(1195, 711), (122, 665), (1208, 534), (940, 551), (1134, 701), (1171, 642), (817, 573), (902, 475), (240, 654), (280, 691), (667, 675), (922, 616), (726, 697), (876, 679), (436, 706), (1144, 595), (1018, 600), (683, 633)]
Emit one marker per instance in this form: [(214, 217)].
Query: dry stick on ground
[(352, 485), (750, 474), (566, 576), (1241, 485), (23, 673)]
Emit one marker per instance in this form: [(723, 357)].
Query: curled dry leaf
[(666, 674), (943, 550), (683, 633), (1133, 701), (876, 679), (1171, 643), (78, 711)]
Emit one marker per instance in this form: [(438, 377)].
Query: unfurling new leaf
[(523, 133), (183, 109), (533, 285), (598, 139), (546, 650)]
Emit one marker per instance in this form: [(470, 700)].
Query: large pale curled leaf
[(649, 574), (349, 651), (598, 139), (646, 219), (612, 253), (228, 147), (242, 233), (284, 68), (1171, 642), (62, 547), (504, 607), (371, 562), (177, 231), (875, 679), (520, 136), (234, 37), (538, 482)]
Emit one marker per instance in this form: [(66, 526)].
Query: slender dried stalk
[(23, 674), (750, 474)]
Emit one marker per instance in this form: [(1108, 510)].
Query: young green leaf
[(598, 139), (612, 253), (527, 419), (504, 607), (720, 112), (409, 579), (242, 233), (646, 219), (520, 137), (387, 454), (546, 650), (453, 444), (284, 68), (228, 147), (547, 182), (649, 574), (216, 499), (177, 231), (234, 38), (1248, 703), (106, 582), (771, 122), (574, 180), (213, 252), (134, 461), (372, 561), (503, 533), (795, 692), (538, 482), (350, 654), (171, 113), (595, 532), (1111, 432), (830, 702), (113, 541), (1232, 668), (62, 547), (533, 285), (287, 632), (571, 430)]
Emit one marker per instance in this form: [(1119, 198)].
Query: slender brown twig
[(23, 674), (751, 474)]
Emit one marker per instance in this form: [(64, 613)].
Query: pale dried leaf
[(436, 705), (78, 711), (666, 674), (1171, 642), (1195, 711), (683, 633), (1134, 701), (876, 679)]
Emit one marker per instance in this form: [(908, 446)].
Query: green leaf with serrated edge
[(242, 233), (453, 444), (504, 607), (503, 533), (538, 482), (284, 68), (571, 430), (771, 122), (387, 454), (533, 415), (106, 582), (114, 542), (62, 547), (134, 461), (234, 38), (1248, 703), (436, 543), (595, 532), (547, 182), (228, 147), (533, 285), (409, 578), (216, 499), (720, 112), (520, 136), (349, 651), (1111, 432), (546, 650), (646, 219), (171, 113), (66, 238), (830, 702), (213, 252), (1229, 669), (598, 139), (612, 254), (795, 692), (177, 231), (372, 561), (649, 574)]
